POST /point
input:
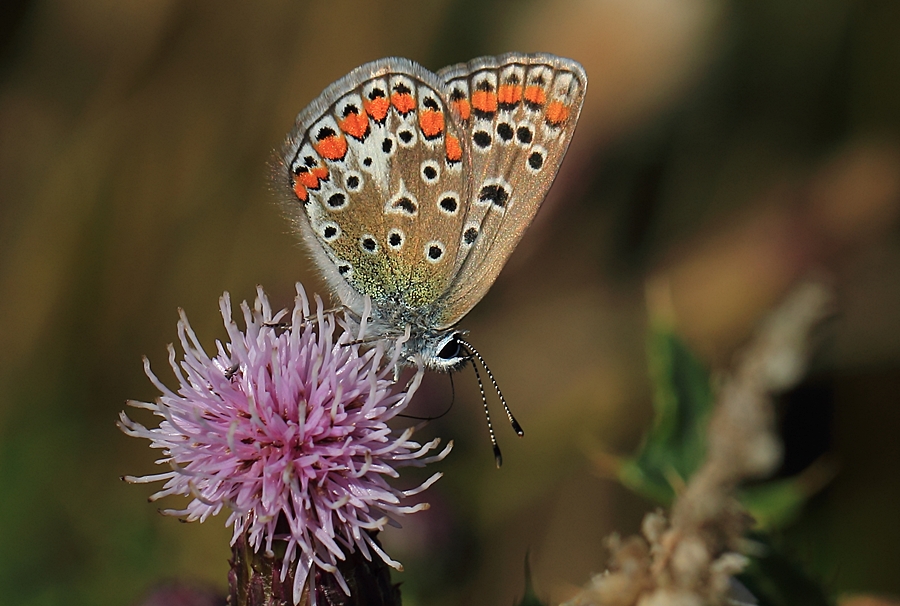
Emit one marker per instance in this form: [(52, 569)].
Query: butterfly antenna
[(512, 420), (498, 457)]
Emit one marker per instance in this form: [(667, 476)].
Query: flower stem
[(255, 580)]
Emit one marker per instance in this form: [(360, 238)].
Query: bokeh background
[(727, 148)]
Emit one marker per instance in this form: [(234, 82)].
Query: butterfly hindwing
[(375, 168)]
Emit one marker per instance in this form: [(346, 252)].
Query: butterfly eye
[(451, 350)]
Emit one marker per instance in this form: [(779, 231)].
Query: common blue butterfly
[(413, 188)]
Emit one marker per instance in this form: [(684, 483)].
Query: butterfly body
[(412, 188)]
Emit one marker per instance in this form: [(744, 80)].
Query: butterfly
[(412, 188)]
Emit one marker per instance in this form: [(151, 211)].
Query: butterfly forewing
[(517, 114), (376, 167)]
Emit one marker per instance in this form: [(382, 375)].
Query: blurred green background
[(727, 148)]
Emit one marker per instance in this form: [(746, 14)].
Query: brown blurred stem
[(255, 580)]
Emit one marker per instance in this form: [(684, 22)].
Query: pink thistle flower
[(286, 426)]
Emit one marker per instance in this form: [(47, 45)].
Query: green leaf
[(774, 504), (777, 503), (774, 579), (675, 445), (530, 598)]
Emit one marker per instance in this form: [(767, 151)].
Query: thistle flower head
[(286, 428)]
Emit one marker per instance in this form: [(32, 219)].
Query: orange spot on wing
[(557, 113), (431, 122), (535, 95), (355, 125), (463, 108), (377, 108), (333, 147), (484, 101), (454, 151), (403, 102), (307, 180), (509, 94), (300, 191)]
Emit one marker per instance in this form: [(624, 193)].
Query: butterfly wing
[(516, 114), (374, 168), (413, 188)]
